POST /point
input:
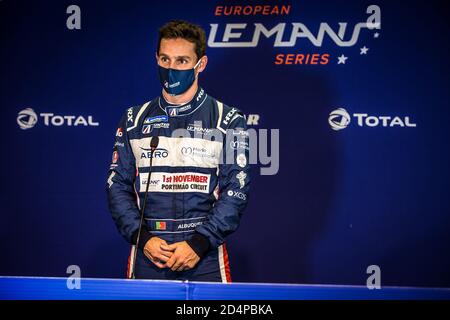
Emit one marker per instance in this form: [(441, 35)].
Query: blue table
[(99, 289)]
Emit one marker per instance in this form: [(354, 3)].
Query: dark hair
[(185, 30)]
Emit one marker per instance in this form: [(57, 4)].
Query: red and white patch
[(224, 264), (115, 157), (176, 182), (119, 132)]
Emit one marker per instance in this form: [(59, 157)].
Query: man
[(196, 194)]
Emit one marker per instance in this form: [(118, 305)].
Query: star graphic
[(342, 59), (364, 50), (376, 35)]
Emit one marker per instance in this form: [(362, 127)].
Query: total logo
[(27, 119), (340, 119)]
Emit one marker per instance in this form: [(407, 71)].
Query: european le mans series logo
[(295, 34)]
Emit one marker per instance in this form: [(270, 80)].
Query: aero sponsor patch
[(176, 182)]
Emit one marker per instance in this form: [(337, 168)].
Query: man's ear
[(202, 64)]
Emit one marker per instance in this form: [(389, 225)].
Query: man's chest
[(189, 141)]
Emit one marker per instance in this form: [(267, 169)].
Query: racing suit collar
[(173, 110)]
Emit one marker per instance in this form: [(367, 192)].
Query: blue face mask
[(176, 82)]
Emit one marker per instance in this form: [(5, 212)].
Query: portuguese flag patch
[(160, 225)]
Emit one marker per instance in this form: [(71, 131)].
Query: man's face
[(177, 54)]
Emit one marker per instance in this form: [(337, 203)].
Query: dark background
[(340, 202)]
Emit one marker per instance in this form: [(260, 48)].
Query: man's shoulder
[(227, 114), (224, 106), (133, 114)]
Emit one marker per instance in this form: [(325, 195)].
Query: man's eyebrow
[(176, 57), (183, 57)]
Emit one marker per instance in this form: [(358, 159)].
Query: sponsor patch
[(185, 108), (235, 145), (197, 152), (151, 120), (241, 160), (241, 177), (229, 116), (130, 114), (147, 128), (240, 132), (115, 157), (191, 225), (176, 182), (199, 129), (157, 153), (160, 225), (119, 132), (173, 112), (237, 194)]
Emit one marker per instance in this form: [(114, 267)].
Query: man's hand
[(153, 250), (183, 257)]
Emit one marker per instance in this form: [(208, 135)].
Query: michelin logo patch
[(150, 120)]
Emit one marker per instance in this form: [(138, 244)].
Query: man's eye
[(164, 59), (182, 61)]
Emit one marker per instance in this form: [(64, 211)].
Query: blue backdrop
[(345, 196)]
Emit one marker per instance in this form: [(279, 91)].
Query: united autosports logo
[(291, 35)]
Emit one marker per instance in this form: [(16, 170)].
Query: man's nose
[(172, 65)]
